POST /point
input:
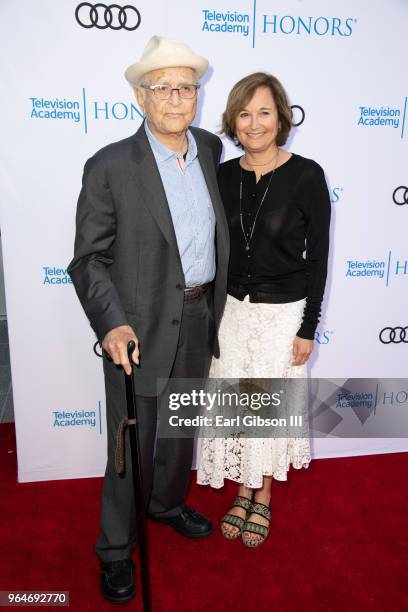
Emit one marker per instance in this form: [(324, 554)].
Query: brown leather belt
[(194, 293)]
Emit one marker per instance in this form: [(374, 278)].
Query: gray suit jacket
[(126, 267)]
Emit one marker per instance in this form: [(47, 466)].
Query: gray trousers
[(166, 463)]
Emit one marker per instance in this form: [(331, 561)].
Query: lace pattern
[(255, 342)]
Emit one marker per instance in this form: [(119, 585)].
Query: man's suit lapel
[(206, 159), (150, 186)]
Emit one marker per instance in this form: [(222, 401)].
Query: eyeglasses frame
[(156, 86)]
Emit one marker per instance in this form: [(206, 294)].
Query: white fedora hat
[(162, 52)]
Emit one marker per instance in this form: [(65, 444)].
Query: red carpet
[(339, 540)]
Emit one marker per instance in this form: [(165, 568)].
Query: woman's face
[(256, 125)]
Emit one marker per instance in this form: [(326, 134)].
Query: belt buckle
[(193, 293)]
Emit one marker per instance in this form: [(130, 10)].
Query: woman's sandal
[(251, 527), (235, 521)]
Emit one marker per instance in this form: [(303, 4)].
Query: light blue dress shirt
[(191, 209)]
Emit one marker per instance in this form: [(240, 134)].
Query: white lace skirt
[(255, 342)]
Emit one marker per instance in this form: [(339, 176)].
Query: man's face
[(172, 116)]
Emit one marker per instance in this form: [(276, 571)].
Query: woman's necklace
[(248, 237)]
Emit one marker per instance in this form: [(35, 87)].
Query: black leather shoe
[(118, 580), (189, 523)]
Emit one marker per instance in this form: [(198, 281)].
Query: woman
[(278, 206)]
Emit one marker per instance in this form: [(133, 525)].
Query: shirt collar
[(162, 153)]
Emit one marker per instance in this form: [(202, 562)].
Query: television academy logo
[(256, 22), (400, 195), (55, 276), (230, 22), (80, 110), (102, 17), (380, 396), (362, 397), (298, 115), (394, 335), (383, 117), (78, 418), (387, 269)]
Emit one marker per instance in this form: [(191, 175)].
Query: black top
[(294, 216)]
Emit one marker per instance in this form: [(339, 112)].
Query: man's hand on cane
[(115, 344)]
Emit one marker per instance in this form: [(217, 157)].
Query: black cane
[(137, 478), (136, 473)]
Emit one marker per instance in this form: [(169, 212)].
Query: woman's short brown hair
[(242, 93)]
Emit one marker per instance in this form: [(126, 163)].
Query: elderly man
[(150, 265)]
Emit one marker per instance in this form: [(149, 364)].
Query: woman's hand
[(302, 349)]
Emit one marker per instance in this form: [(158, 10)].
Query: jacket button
[(176, 322), (179, 286)]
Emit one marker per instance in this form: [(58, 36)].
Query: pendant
[(247, 247)]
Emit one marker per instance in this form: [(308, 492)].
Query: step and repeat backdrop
[(343, 64)]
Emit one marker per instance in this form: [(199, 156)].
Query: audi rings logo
[(394, 335), (400, 195), (298, 115), (102, 16)]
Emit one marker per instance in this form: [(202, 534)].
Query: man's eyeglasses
[(164, 92)]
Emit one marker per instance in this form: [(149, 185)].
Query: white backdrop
[(64, 96)]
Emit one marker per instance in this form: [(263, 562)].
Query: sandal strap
[(235, 521), (262, 510), (252, 527), (242, 502)]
